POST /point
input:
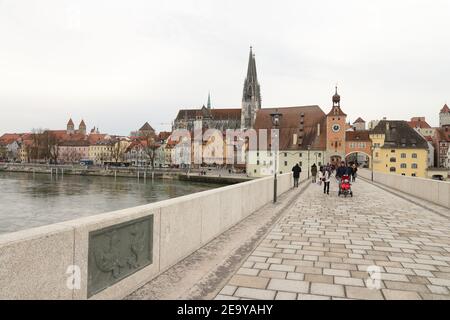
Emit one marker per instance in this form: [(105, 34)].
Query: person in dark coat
[(314, 173), (341, 170), (296, 170)]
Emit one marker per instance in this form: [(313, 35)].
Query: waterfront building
[(101, 151), (399, 149), (442, 146), (444, 116), (302, 140), (72, 151)]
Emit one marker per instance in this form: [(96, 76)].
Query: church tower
[(444, 116), (70, 127), (251, 99), (336, 121)]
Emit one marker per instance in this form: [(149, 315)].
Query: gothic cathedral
[(251, 99)]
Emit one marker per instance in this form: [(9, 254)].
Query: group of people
[(323, 174)]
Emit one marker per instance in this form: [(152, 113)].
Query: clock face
[(336, 127)]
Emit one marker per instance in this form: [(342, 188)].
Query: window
[(257, 162), (285, 154), (414, 166), (403, 155), (413, 175), (414, 155), (393, 159), (320, 155), (285, 163), (376, 154), (403, 166), (392, 169), (301, 154), (392, 151)]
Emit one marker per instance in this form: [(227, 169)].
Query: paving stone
[(225, 297), (336, 272), (406, 286), (349, 281), (281, 267), (249, 281), (248, 272), (258, 294), (295, 276), (273, 274), (319, 278), (438, 289), (286, 296), (228, 290), (312, 297), (363, 293), (288, 285), (327, 289), (400, 295)]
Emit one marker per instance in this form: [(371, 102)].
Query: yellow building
[(398, 148), (101, 151)]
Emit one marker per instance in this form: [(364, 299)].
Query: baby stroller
[(345, 187)]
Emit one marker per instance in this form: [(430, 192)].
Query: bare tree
[(150, 146), (118, 150)]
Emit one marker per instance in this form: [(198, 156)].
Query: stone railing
[(108, 256), (437, 192)]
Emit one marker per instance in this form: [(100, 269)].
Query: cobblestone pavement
[(322, 248)]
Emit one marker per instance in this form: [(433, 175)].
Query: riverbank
[(219, 177)]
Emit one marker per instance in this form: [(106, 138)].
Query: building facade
[(399, 149)]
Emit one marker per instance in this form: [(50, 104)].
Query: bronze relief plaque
[(118, 251)]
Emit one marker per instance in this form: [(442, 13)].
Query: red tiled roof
[(362, 135), (291, 124), (419, 122), (359, 120), (9, 138), (94, 137), (445, 109)]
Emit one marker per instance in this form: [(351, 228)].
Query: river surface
[(27, 201)]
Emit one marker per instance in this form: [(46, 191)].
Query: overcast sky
[(118, 63)]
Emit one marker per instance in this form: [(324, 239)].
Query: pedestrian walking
[(314, 173), (326, 181), (296, 170), (354, 172)]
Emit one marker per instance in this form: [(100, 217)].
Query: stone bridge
[(391, 240), (380, 244)]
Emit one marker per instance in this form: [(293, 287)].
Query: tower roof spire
[(209, 100)]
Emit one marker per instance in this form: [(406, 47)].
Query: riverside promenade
[(314, 246)]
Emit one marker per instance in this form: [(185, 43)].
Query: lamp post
[(276, 119), (371, 161), (309, 165)]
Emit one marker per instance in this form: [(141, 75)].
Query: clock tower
[(336, 121)]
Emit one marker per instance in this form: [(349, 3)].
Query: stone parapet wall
[(57, 261), (437, 192)]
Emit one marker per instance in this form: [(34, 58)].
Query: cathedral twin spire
[(251, 98)]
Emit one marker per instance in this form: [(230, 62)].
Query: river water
[(29, 201)]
